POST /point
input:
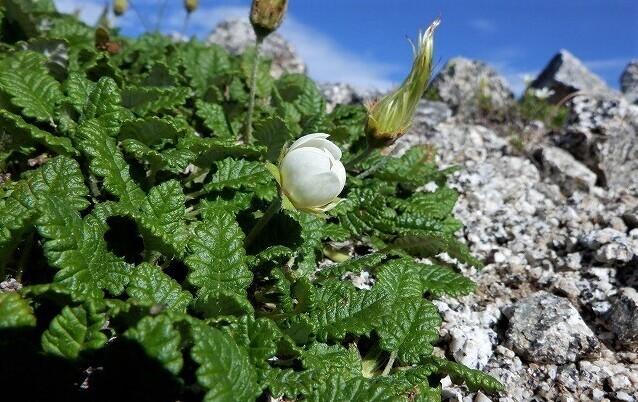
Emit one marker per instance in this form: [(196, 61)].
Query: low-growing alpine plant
[(154, 251)]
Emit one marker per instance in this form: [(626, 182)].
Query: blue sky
[(363, 42)]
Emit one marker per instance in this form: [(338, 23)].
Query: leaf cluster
[(125, 200)]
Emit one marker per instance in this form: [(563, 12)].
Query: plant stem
[(359, 158), (24, 257), (274, 207), (248, 133), (377, 165), (388, 367)]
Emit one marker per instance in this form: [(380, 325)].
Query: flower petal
[(317, 140)]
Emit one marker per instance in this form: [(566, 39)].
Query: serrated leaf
[(15, 312), (78, 250), (410, 327), (78, 88), (204, 64), (20, 133), (333, 360), (225, 371), (31, 87), (171, 159), (216, 257), (107, 161), (337, 388), (162, 218), (273, 133), (235, 174), (160, 341), (430, 244), (150, 285), (211, 150), (104, 106), (357, 264), (151, 131), (258, 336), (342, 309), (215, 304), (474, 379), (72, 331), (364, 212), (438, 204), (302, 92), (146, 100), (214, 118)]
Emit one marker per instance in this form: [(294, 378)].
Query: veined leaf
[(162, 218), (273, 133), (15, 312), (150, 285), (214, 118), (236, 174), (146, 100), (216, 256), (160, 341), (225, 370), (31, 87), (411, 326), (150, 131), (104, 106), (78, 88), (203, 64), (107, 161), (77, 248), (474, 379), (172, 159), (337, 388), (74, 330), (258, 336), (438, 204)]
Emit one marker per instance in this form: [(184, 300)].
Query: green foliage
[(125, 205)]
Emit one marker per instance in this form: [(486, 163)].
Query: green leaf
[(225, 371), (342, 309), (78, 88), (410, 326), (31, 87), (203, 64), (106, 160), (149, 285), (474, 379), (171, 159), (336, 388), (150, 131), (216, 257), (22, 133), (364, 212), (214, 119), (160, 341), (438, 204), (215, 304), (258, 336), (15, 312), (162, 218), (273, 132), (235, 174), (430, 244), (302, 92), (104, 106), (77, 248), (152, 100), (72, 331), (356, 264)]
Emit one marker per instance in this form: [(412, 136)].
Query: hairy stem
[(248, 133), (359, 158), (377, 165), (388, 367), (274, 207)]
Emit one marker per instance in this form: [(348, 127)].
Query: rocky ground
[(555, 315)]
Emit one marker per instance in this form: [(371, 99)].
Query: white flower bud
[(311, 173)]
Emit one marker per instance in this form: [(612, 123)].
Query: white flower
[(311, 174)]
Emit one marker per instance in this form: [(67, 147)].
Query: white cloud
[(483, 25), (88, 11)]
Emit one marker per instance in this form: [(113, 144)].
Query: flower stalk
[(248, 133), (274, 207)]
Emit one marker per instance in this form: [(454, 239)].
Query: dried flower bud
[(267, 15), (120, 7), (391, 116), (191, 5)]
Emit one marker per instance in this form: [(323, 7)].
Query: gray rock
[(611, 246), (629, 82), (602, 132), (547, 329), (431, 113), (563, 169), (237, 34), (473, 89), (345, 94), (565, 74), (622, 318)]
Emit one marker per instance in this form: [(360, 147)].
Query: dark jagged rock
[(629, 82)]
